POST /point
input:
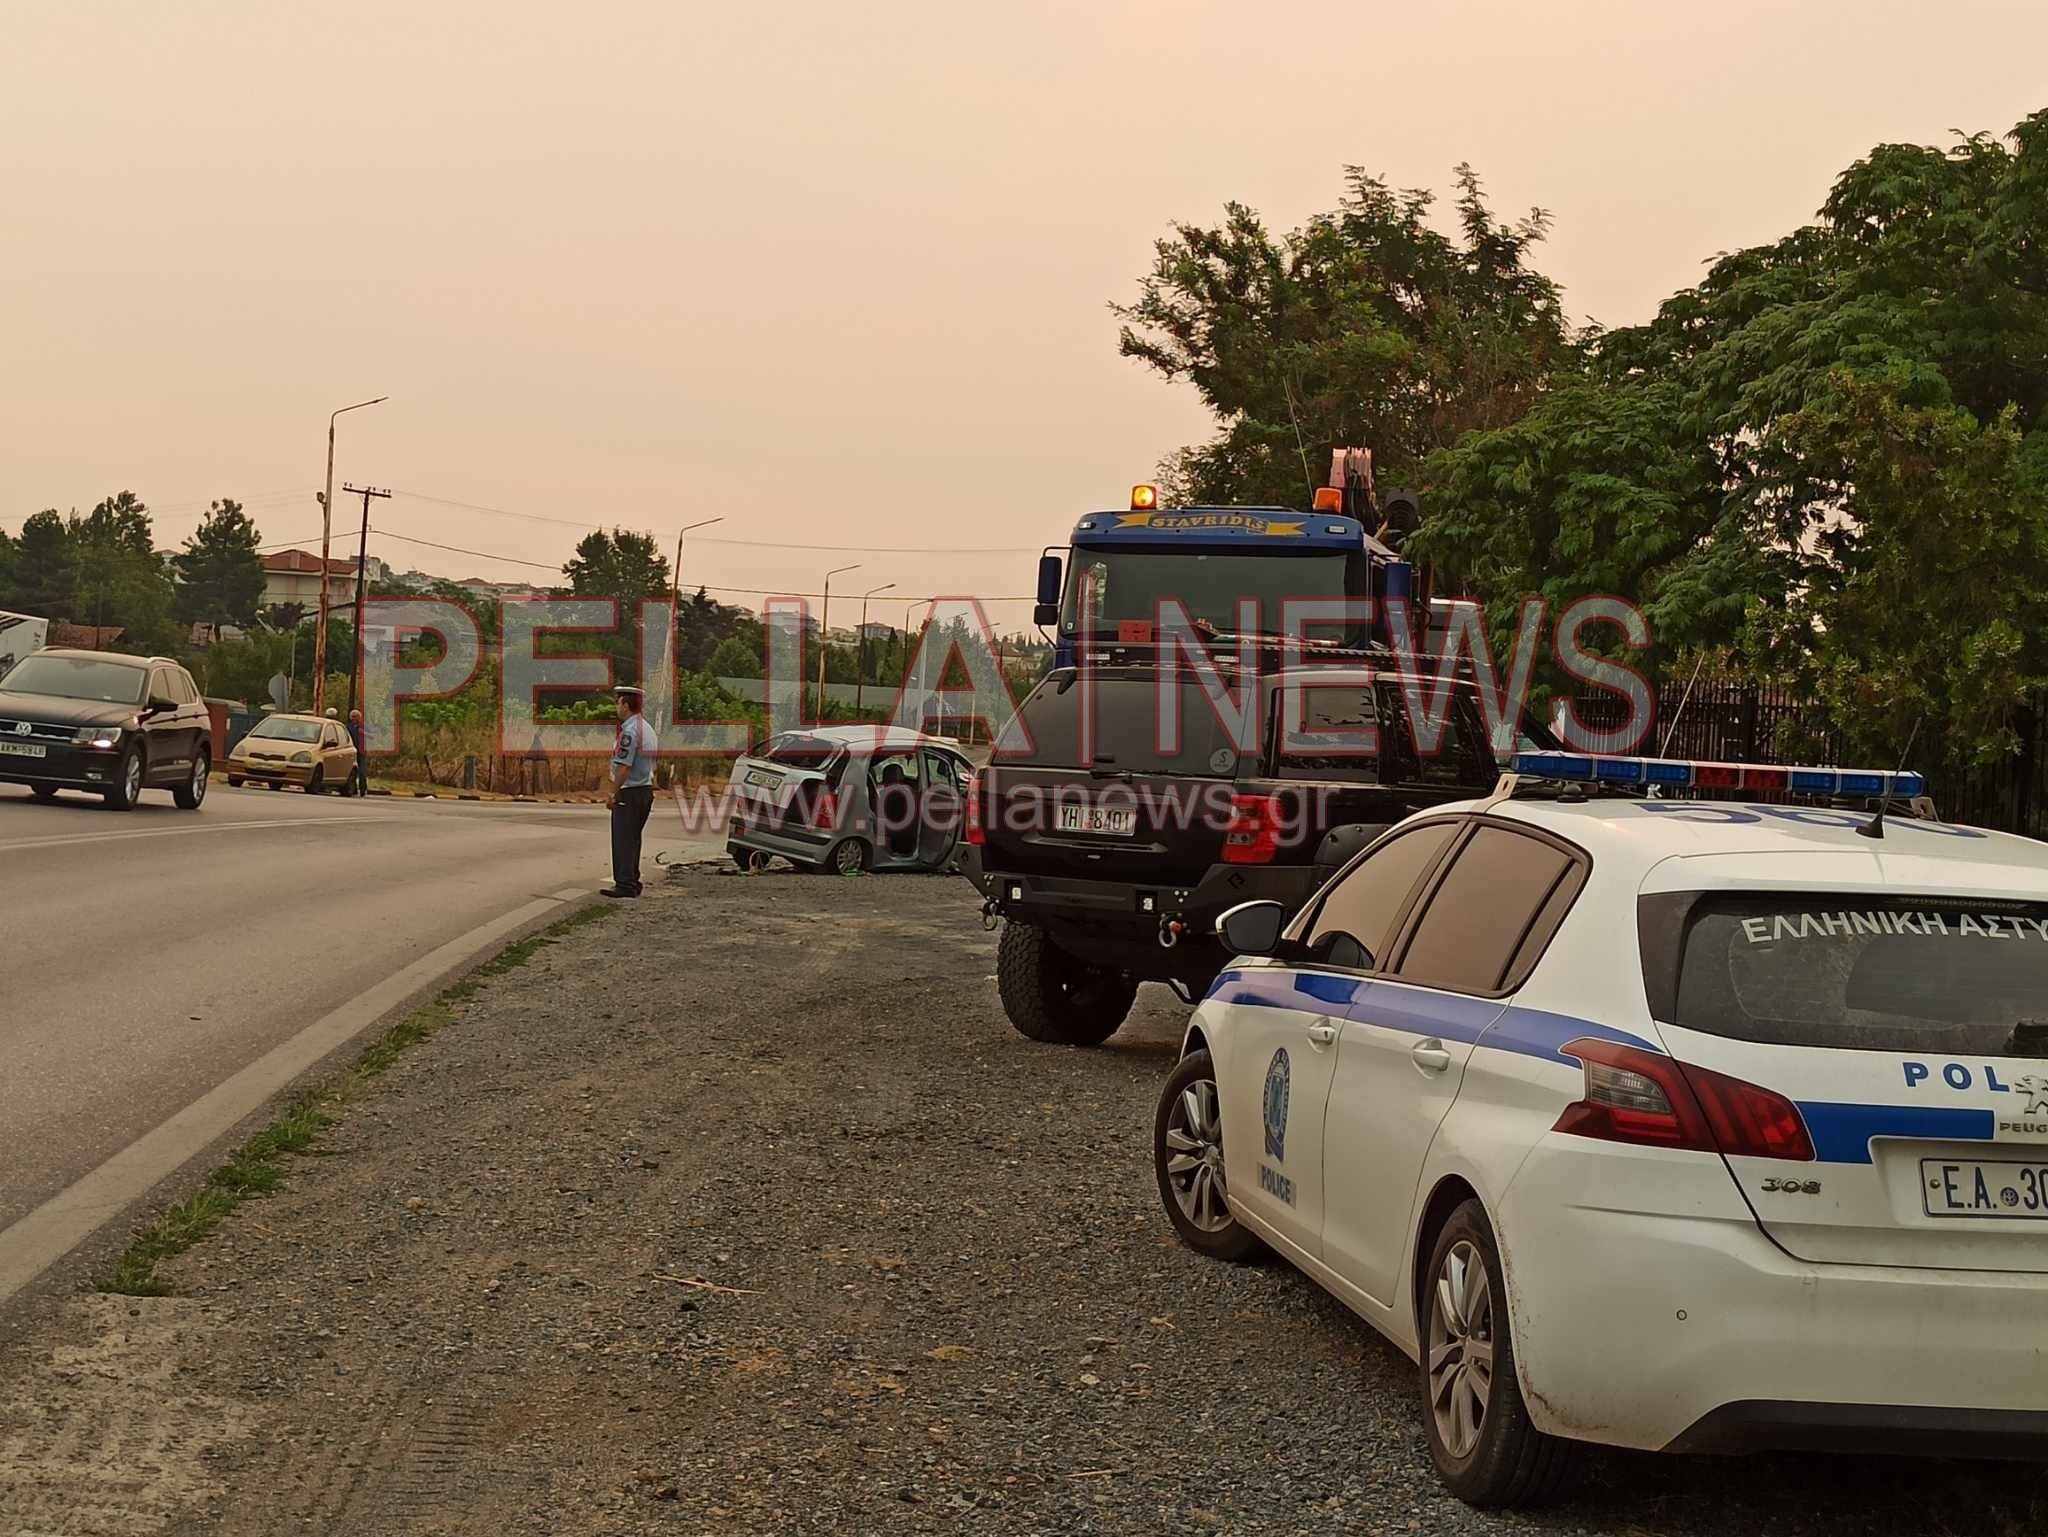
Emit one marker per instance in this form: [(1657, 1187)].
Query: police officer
[(631, 796)]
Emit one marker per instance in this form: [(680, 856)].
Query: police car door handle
[(1321, 1033), (1430, 1056)]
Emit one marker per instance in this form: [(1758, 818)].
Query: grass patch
[(257, 1167)]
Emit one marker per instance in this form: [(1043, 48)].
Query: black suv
[(94, 720), (1111, 870)]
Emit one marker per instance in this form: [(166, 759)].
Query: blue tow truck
[(1121, 566)]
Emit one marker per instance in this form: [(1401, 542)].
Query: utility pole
[(326, 534), (825, 633), (860, 670), (355, 674)]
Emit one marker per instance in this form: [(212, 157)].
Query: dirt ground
[(745, 1211)]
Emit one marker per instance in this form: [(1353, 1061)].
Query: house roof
[(286, 561)]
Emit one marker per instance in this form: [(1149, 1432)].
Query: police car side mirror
[(1252, 928)]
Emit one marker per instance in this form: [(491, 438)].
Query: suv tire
[(1054, 997), (127, 790), (191, 795)]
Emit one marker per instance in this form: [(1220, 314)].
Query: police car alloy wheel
[(1187, 1157)]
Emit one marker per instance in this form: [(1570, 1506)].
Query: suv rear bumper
[(1122, 923)]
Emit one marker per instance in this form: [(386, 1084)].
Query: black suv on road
[(111, 724), (1111, 870)]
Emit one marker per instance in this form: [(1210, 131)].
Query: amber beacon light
[(1144, 498)]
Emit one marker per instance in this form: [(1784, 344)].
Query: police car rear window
[(1866, 973)]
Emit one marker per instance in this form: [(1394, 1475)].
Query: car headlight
[(302, 757), (97, 736)]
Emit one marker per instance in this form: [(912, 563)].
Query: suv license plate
[(22, 750), (1098, 819), (1968, 1187)]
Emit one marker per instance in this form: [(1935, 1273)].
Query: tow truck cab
[(1106, 589)]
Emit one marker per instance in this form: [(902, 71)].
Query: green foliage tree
[(118, 578), (1367, 326), (1828, 455), (43, 576), (734, 658), (220, 574)]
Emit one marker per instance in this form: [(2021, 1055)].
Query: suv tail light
[(1253, 836), (973, 834), (1655, 1101)]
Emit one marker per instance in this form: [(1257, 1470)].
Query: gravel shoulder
[(746, 1211)]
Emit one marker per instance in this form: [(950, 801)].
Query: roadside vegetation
[(1823, 467), (261, 1165)]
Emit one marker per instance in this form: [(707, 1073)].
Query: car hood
[(52, 710)]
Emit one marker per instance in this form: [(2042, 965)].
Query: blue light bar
[(1687, 774)]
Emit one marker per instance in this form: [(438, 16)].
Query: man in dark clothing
[(631, 796), (359, 776)]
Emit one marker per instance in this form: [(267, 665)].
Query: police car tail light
[(974, 834), (1640, 1097), (1253, 836)]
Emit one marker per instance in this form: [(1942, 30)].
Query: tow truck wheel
[(1054, 997), (43, 792)]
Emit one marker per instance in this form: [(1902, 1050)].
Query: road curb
[(67, 1219)]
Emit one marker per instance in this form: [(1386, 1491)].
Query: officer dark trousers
[(630, 808)]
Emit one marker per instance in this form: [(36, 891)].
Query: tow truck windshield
[(1126, 586)]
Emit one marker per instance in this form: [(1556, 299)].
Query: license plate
[(1967, 1187), (22, 750), (1098, 819), (764, 778)]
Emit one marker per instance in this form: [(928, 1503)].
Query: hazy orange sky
[(838, 274)]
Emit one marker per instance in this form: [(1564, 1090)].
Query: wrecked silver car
[(849, 798)]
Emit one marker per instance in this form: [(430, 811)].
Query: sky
[(837, 275)]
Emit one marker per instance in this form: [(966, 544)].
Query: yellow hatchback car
[(309, 751)]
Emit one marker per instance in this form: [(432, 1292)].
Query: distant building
[(293, 576)]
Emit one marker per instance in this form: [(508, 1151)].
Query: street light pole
[(860, 670), (825, 632), (675, 624), (326, 538)]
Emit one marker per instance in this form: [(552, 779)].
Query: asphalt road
[(150, 955)]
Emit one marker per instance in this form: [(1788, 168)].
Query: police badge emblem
[(1276, 1105)]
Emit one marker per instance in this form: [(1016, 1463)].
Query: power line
[(764, 544), (514, 560)]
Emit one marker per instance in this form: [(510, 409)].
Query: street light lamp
[(825, 632), (326, 538), (860, 670)]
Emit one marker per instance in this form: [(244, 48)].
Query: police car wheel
[(1486, 1449), (1187, 1159), (1055, 997)]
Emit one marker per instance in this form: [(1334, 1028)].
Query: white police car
[(1669, 1124)]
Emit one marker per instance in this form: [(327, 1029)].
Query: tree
[(1828, 455), (44, 576), (622, 565), (119, 580), (1366, 326), (734, 658), (219, 571)]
